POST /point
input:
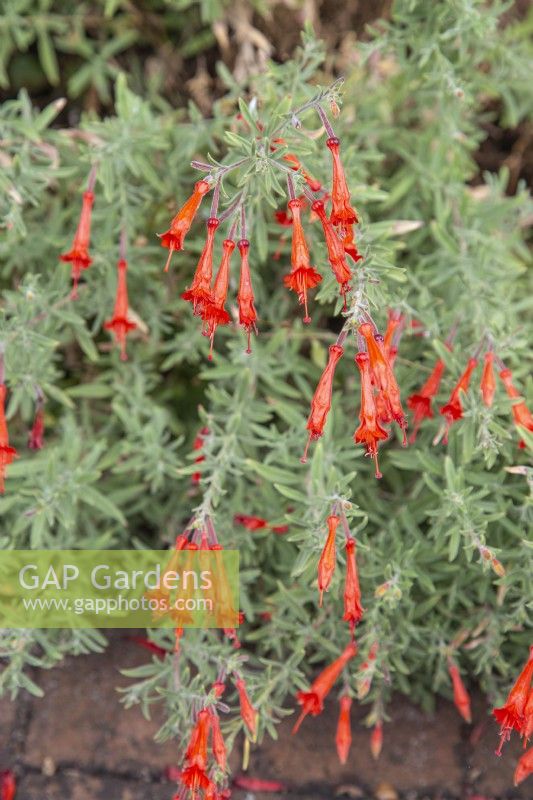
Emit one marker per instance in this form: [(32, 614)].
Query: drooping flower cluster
[(380, 394)]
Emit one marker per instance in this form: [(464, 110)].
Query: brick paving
[(79, 743)]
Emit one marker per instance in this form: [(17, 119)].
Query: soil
[(79, 743)]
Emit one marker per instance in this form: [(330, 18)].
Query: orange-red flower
[(420, 403), (36, 435), (302, 276), (218, 744), (524, 767), (312, 702), (245, 296), (526, 731), (376, 740), (199, 291), (248, 712), (369, 432), (353, 610), (119, 323), (250, 522), (194, 775), (511, 715), (328, 558), (453, 409), (343, 736), (341, 213), (521, 414), (335, 247), (461, 697), (179, 227), (7, 453), (78, 255), (488, 381), (213, 311), (384, 378), (321, 402)]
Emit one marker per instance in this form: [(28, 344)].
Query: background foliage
[(442, 242)]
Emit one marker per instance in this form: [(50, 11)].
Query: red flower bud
[(524, 767), (8, 785), (488, 381), (36, 435), (245, 297), (461, 697), (321, 402), (343, 737), (328, 558), (250, 522), (521, 414), (376, 740), (219, 747), (179, 227), (353, 610), (248, 712)]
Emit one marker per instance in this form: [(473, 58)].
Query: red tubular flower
[(7, 453), (453, 409), (341, 213), (249, 522), (336, 254), (213, 312), (369, 432), (248, 712), (194, 776), (524, 767), (245, 296), (420, 403), (521, 414), (321, 402), (384, 376), (199, 291), (312, 702), (8, 785), (119, 322), (353, 610), (36, 435), (511, 715), (303, 276), (349, 244), (461, 698), (488, 381), (343, 736), (179, 227), (218, 745), (328, 558), (376, 740), (78, 255)]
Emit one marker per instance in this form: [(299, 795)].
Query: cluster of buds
[(517, 714), (121, 323), (421, 402), (380, 395)]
